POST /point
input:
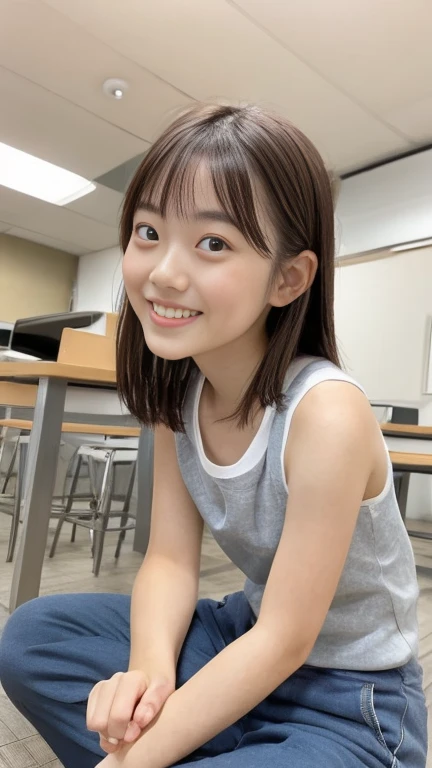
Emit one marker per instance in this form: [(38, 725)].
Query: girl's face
[(195, 283)]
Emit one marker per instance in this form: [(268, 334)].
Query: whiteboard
[(428, 371)]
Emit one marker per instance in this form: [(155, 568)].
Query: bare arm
[(166, 587), (163, 602), (321, 516)]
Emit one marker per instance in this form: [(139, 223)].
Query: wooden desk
[(420, 463), (17, 395), (77, 428), (52, 380), (407, 430), (412, 462), (29, 372)]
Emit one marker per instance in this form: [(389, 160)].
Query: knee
[(27, 628)]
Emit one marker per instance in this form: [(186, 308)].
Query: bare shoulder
[(338, 406), (334, 427)]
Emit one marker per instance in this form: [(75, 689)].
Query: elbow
[(284, 651)]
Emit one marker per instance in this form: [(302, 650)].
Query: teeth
[(170, 312)]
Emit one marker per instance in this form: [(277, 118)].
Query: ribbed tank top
[(371, 623)]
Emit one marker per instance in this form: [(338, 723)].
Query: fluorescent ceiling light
[(38, 178), (411, 246)]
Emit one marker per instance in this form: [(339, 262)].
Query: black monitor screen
[(40, 336)]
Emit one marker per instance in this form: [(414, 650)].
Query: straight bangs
[(168, 182)]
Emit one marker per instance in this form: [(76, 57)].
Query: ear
[(293, 279)]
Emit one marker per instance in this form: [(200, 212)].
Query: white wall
[(98, 281), (381, 323), (386, 206)]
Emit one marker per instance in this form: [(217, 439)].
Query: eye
[(213, 244), (146, 233)]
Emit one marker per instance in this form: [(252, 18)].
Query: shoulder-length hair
[(244, 148)]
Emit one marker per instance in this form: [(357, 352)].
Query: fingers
[(151, 702), (100, 702), (109, 745), (129, 690), (120, 708), (111, 706), (132, 732), (98, 709)]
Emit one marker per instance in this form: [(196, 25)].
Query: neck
[(229, 370)]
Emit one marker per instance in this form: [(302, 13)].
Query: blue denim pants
[(54, 649)]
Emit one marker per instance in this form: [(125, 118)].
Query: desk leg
[(145, 490), (402, 495), (39, 482)]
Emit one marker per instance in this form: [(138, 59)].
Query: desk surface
[(412, 462), (33, 370), (407, 430), (77, 428)]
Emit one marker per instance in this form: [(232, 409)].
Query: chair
[(402, 415), (86, 453), (19, 445), (97, 520)]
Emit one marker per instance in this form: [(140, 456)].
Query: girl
[(226, 346)]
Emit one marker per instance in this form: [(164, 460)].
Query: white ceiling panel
[(105, 19), (54, 129), (211, 50), (36, 237), (69, 61), (378, 52), (103, 204), (414, 120), (54, 221), (354, 76)]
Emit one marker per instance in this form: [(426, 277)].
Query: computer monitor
[(40, 336)]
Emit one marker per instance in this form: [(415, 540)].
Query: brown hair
[(241, 146)]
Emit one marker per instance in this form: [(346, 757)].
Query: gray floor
[(70, 571)]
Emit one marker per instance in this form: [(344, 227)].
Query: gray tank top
[(371, 623)]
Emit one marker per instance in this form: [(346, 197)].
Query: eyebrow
[(209, 215)]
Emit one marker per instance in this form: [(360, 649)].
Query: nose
[(171, 272)]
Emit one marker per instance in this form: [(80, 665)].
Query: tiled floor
[(70, 570)]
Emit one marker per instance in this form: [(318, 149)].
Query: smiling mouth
[(171, 313)]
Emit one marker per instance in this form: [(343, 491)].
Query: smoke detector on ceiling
[(115, 88)]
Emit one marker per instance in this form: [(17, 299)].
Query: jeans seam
[(369, 714), (402, 736)]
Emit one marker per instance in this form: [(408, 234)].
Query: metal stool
[(16, 465), (127, 438), (9, 471), (113, 454)]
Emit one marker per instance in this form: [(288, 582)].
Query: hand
[(119, 708)]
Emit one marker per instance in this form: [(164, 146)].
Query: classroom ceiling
[(355, 76)]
